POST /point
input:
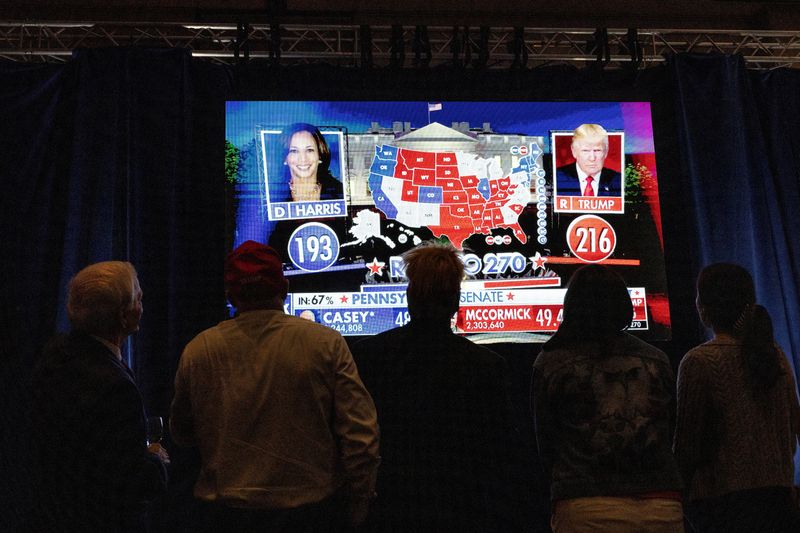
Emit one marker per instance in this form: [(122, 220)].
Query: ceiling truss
[(400, 46)]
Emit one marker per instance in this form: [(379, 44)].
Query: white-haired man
[(96, 470), (588, 175)]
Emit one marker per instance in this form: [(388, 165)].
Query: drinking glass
[(154, 429)]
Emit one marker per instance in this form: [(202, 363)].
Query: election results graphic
[(527, 191)]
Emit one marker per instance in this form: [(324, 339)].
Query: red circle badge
[(591, 239)]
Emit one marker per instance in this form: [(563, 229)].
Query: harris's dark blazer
[(88, 428), (568, 184), (330, 189), (447, 435)]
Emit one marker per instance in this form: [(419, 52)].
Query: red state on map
[(460, 211), (469, 181), (457, 197), (446, 158), (447, 172), (474, 197), (414, 159), (476, 212), (423, 177), (449, 184), (401, 171), (410, 192), (457, 229)]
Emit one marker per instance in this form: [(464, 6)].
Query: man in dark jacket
[(443, 409), (96, 471)]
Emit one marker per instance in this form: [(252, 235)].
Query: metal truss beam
[(485, 47)]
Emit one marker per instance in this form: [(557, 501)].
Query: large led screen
[(342, 189)]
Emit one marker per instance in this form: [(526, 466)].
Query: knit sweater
[(728, 437)]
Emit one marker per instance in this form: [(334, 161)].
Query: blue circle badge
[(313, 247)]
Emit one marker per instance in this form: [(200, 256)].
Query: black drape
[(112, 155), (118, 154), (740, 148)]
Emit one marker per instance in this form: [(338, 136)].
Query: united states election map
[(455, 194)]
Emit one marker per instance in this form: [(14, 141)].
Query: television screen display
[(529, 191)]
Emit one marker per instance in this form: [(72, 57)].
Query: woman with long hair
[(738, 415), (601, 401), (307, 160)]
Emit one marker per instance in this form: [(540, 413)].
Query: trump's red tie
[(589, 191)]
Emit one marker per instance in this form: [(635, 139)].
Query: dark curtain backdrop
[(118, 154), (112, 155)]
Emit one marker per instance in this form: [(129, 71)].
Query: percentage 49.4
[(313, 247), (591, 238), (548, 318)]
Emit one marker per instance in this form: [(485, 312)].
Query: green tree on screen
[(232, 160)]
